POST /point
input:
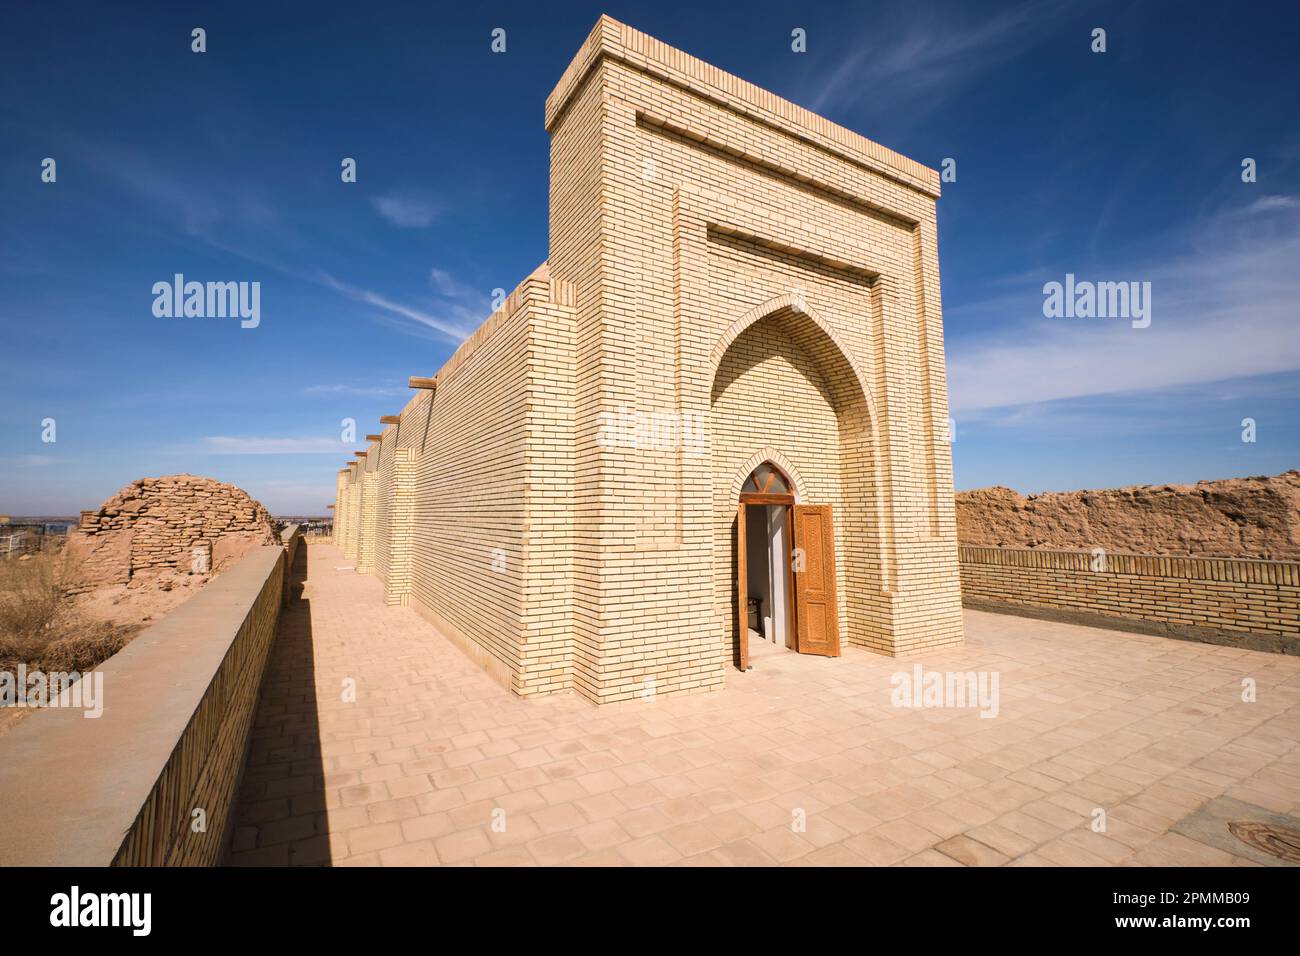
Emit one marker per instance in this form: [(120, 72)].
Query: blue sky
[(1122, 166)]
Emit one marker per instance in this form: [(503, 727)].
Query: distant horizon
[(13, 516), (1166, 168)]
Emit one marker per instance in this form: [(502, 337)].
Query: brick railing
[(150, 782), (1240, 601), (292, 538)]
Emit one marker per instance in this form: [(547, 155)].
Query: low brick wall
[(122, 789), (292, 539), (1245, 603)]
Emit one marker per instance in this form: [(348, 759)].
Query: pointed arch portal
[(785, 580), (798, 484)]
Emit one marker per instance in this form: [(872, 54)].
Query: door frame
[(742, 568)]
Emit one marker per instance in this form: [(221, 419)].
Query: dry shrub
[(84, 652), (40, 625), (30, 597)]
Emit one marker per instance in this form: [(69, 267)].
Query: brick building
[(712, 423)]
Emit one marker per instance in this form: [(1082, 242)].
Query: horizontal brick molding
[(1219, 599), (179, 701)]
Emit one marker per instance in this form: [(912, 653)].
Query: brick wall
[(368, 524), (467, 552), (356, 497), (339, 521), (546, 655), (292, 539), (688, 206), (347, 512), (717, 255), (1233, 600), (465, 508), (179, 701), (384, 468), (397, 524)]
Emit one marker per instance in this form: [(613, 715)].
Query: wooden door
[(817, 619), (742, 587)]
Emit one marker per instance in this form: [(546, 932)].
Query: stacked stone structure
[(155, 527), (1230, 518)]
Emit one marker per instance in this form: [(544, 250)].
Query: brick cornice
[(610, 39)]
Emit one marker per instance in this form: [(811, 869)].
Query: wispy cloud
[(449, 287), (1273, 204), (365, 391), (408, 210), (250, 445), (204, 215), (39, 461), (450, 329), (459, 308), (914, 55), (1162, 412), (1225, 308), (198, 209)]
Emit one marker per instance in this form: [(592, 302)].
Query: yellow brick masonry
[(340, 518), (367, 528), (472, 511), (355, 497), (385, 464), (715, 205), (398, 528), (1178, 595), (717, 255), (346, 511)]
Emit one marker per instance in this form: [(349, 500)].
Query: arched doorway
[(785, 569), (788, 408), (765, 587)]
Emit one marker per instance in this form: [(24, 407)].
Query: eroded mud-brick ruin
[(1231, 518), (177, 524)]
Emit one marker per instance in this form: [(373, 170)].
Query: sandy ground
[(134, 607), (9, 718), (142, 605)]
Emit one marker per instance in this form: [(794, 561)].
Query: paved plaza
[(802, 761)]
